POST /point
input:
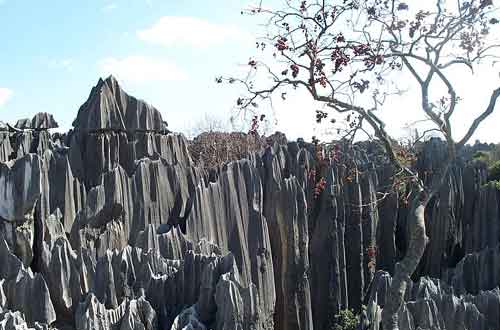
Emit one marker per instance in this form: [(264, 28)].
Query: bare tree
[(348, 56), (209, 123)]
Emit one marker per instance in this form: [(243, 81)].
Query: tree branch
[(475, 124)]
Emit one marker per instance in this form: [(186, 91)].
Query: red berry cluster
[(312, 174), (303, 6), (282, 44), (322, 81), (312, 47), (340, 58), (319, 65), (362, 49), (371, 251), (374, 60), (254, 126), (295, 70), (319, 188), (255, 123)]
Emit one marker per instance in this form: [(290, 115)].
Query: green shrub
[(346, 320), (495, 184), (482, 156), (494, 171)]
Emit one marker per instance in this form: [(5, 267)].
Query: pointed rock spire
[(109, 107)]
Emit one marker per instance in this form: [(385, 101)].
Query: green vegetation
[(495, 184), (489, 157), (494, 171), (483, 156), (492, 159), (346, 320)]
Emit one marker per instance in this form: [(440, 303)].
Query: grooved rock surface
[(20, 188), (432, 304), (110, 108), (43, 121), (114, 226)]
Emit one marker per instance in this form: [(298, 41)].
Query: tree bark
[(404, 269)]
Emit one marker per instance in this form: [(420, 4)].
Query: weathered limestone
[(43, 121), (430, 304), (286, 213), (113, 226), (20, 285), (229, 213), (114, 128), (20, 188)]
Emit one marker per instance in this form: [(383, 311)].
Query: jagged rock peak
[(109, 107), (23, 123), (41, 121)]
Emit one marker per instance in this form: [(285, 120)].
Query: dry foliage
[(212, 149)]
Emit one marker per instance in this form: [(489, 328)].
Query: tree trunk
[(404, 269)]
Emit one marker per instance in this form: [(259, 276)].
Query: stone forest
[(113, 225), (123, 223)]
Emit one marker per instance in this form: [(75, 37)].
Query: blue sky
[(167, 52), (53, 53)]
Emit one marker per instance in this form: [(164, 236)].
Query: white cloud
[(140, 69), (5, 95), (190, 31)]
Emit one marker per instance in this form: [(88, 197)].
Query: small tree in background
[(212, 142), (209, 123), (212, 149), (348, 55)]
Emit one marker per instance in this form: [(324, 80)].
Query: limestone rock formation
[(110, 108), (114, 226), (20, 188), (43, 121), (431, 304)]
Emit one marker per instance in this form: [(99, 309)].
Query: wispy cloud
[(190, 31), (140, 69), (110, 7), (5, 95), (65, 64)]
